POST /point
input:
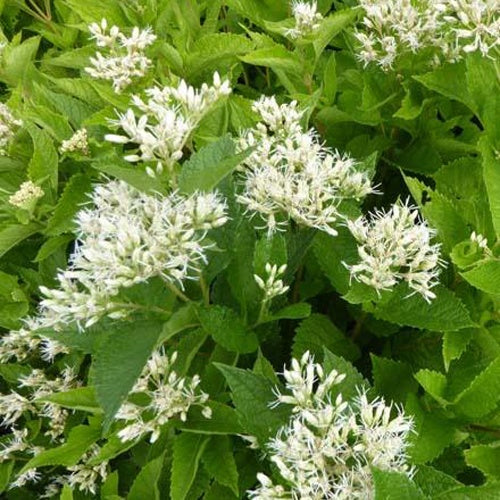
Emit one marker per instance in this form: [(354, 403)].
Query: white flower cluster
[(307, 19), (17, 443), (77, 142), (13, 405), (122, 58), (26, 196), (291, 175), (167, 119), (328, 447), (272, 285), (452, 28), (170, 396), (396, 246), (8, 125), (127, 238), (84, 476)]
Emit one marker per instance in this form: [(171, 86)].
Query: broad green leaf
[(70, 202), (52, 245), (260, 10), (386, 372), (219, 461), (455, 344), (491, 173), (485, 276), (269, 250), (80, 398), (17, 61), (44, 162), (318, 332), (79, 440), (354, 381), (224, 420), (330, 80), (331, 26), (66, 493), (263, 367), (119, 360), (145, 484), (13, 234), (434, 384), (390, 485), (113, 447), (188, 449), (483, 394), (209, 165), (187, 348), (5, 474), (227, 329), (433, 482), (252, 394), (277, 58), (444, 313), (218, 492), (293, 311), (486, 458), (487, 491), (182, 319), (94, 10)]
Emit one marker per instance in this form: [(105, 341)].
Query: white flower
[(170, 396), (450, 28), (122, 58), (290, 175), (30, 476), (15, 444), (327, 448), (271, 285), (166, 120), (26, 196), (86, 477), (77, 142), (8, 124), (127, 238), (18, 344), (307, 19), (395, 246)]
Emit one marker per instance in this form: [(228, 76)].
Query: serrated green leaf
[(70, 202), (390, 485), (188, 449), (227, 329), (269, 250), (444, 313), (51, 246), (434, 384), (80, 398), (491, 173), (331, 26), (219, 462), (386, 371), (119, 360), (485, 276), (293, 311), (13, 234), (486, 458), (318, 332), (433, 482), (209, 165), (252, 394), (145, 484), (43, 166), (278, 58), (455, 344), (224, 420)]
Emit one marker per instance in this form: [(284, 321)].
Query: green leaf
[(444, 313), (269, 250), (386, 372), (485, 276), (482, 395), (434, 383), (44, 162), (330, 80), (188, 449), (455, 344), (260, 10), (219, 462), (227, 329), (80, 398), (486, 458), (318, 332), (11, 235), (485, 492), (491, 173), (391, 485), (70, 202), (182, 319), (52, 245), (66, 493), (331, 26), (5, 473), (252, 394), (224, 420), (293, 311), (433, 482), (17, 61), (79, 440), (94, 10), (277, 58), (209, 165), (145, 484), (354, 381), (119, 360)]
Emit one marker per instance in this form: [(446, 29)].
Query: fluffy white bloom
[(162, 124), (395, 246), (8, 124), (18, 344), (126, 238), (272, 285), (307, 19), (86, 477), (290, 175), (449, 28), (30, 476), (26, 196), (77, 142), (327, 448), (122, 58), (170, 396), (15, 444)]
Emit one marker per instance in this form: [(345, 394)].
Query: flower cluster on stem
[(8, 125), (77, 142), (327, 448), (162, 124), (26, 196), (307, 19), (290, 175), (394, 246), (170, 396), (121, 58)]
